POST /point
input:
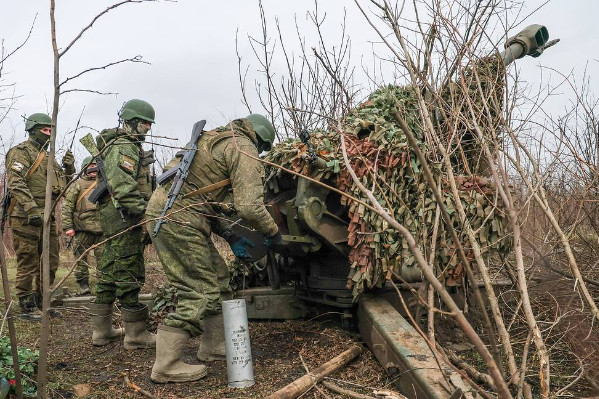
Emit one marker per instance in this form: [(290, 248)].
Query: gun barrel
[(157, 227), (513, 52)]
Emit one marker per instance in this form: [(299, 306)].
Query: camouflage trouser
[(195, 268), (28, 247), (81, 243), (121, 272)]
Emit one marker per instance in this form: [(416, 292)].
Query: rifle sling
[(84, 194), (208, 188), (40, 158)]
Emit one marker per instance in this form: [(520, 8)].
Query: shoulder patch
[(127, 164), (17, 166)]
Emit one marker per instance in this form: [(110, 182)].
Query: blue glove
[(275, 242), (239, 247)]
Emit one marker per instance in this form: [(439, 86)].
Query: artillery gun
[(321, 260), (314, 219)]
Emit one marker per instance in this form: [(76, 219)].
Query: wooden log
[(301, 385)]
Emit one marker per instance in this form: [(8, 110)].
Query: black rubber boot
[(38, 302), (84, 287), (29, 310)]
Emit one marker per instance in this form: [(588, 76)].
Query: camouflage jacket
[(128, 178), (228, 152), (29, 192), (78, 213)]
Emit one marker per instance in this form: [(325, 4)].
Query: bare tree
[(60, 88)]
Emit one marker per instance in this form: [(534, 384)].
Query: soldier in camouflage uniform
[(121, 270), (81, 221), (226, 159), (27, 167)]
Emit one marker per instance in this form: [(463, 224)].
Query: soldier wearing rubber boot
[(121, 272), (27, 171), (81, 222), (225, 170)]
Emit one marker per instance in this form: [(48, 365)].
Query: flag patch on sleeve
[(17, 166), (128, 164)]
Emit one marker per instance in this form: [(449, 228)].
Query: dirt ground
[(280, 350)]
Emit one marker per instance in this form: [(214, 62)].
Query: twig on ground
[(337, 389), (135, 387)]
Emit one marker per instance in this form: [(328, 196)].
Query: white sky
[(191, 47)]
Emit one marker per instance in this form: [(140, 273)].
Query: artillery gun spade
[(314, 222)]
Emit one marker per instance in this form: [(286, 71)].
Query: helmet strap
[(261, 145)]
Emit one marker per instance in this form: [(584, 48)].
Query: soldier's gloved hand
[(275, 242), (34, 217), (239, 246), (68, 161)]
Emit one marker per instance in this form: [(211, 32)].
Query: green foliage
[(246, 274), (165, 302), (27, 365)]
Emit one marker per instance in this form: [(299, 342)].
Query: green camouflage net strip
[(379, 153)]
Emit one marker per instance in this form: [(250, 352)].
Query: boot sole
[(211, 358), (105, 342), (131, 347), (163, 378)]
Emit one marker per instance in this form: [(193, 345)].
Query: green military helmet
[(263, 128), (37, 119), (85, 163), (137, 109)]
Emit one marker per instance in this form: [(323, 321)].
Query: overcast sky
[(191, 47)]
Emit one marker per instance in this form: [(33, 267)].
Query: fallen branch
[(135, 387), (299, 386), (346, 392), (476, 375)]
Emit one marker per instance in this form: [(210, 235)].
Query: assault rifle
[(179, 173), (102, 188)]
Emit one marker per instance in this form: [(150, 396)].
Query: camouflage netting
[(379, 153)]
